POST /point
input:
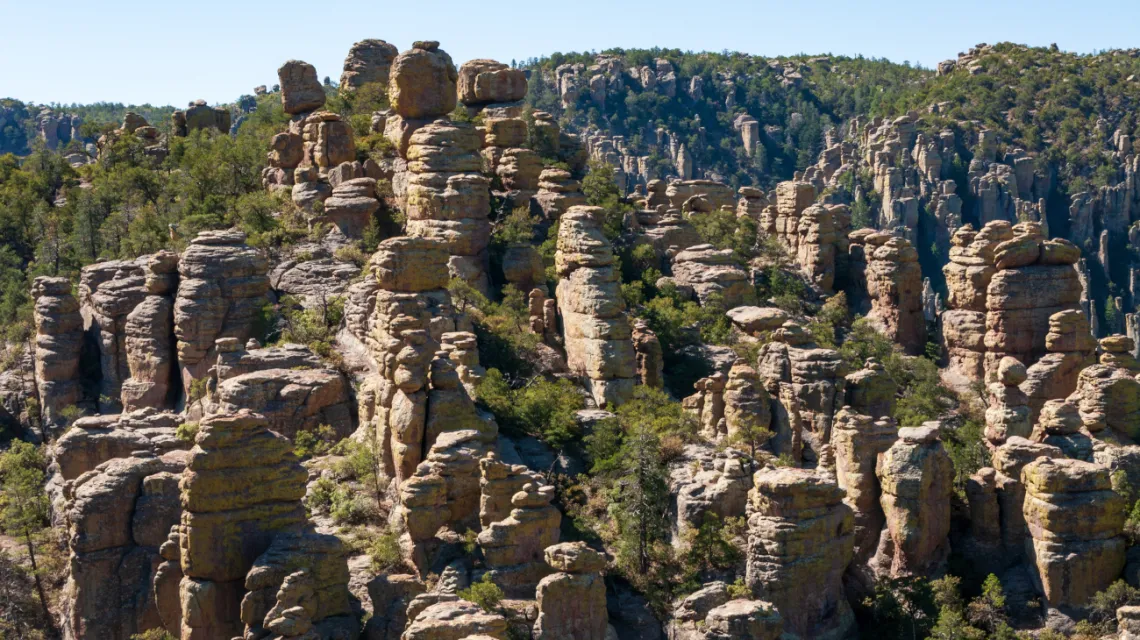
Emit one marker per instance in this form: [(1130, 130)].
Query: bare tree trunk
[(39, 581)]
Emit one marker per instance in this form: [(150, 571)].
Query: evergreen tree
[(23, 503)]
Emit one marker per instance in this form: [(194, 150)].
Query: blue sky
[(173, 52)]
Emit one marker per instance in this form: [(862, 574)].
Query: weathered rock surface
[(487, 81), (894, 285), (917, 481), (596, 331), (149, 340), (709, 272), (59, 341), (800, 533), (1071, 348), (118, 515), (422, 82), (1008, 413), (1075, 520), (572, 602), (300, 90), (369, 61), (220, 295), (858, 441), (806, 384), (708, 482)]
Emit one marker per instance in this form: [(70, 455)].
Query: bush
[(384, 552), (187, 431), (540, 408), (307, 444), (484, 593)]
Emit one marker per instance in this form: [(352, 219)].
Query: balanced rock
[(369, 61), (301, 92), (487, 81), (422, 82)]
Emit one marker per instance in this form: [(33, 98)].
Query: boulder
[(369, 61), (301, 92), (422, 82)]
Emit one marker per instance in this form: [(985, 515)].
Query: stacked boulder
[(572, 603), (368, 62), (801, 533), (806, 384), (149, 338), (59, 341), (1008, 413), (968, 276), (815, 236), (400, 313), (596, 332), (118, 515), (221, 291), (108, 291), (448, 198), (200, 116), (1034, 279), (709, 271), (1071, 347), (894, 285), (558, 191), (1075, 522), (917, 481), (666, 230), (513, 547), (716, 195)]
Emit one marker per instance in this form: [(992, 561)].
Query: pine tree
[(23, 503), (642, 499)]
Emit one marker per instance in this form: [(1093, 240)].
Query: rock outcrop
[(118, 515), (1071, 347), (858, 441), (301, 92), (221, 292), (894, 285), (483, 82), (596, 332), (800, 533), (1109, 401), (422, 82), (710, 272), (1075, 521), (108, 291), (448, 198), (149, 340), (572, 602), (917, 481), (1008, 413), (513, 547), (59, 341), (242, 487), (369, 61), (806, 384)]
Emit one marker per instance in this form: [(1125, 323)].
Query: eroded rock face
[(291, 400), (488, 81), (242, 486), (109, 291), (199, 116), (572, 602), (118, 515), (650, 358), (351, 205), (93, 440), (368, 61), (1071, 348), (558, 191), (299, 583), (300, 90), (747, 408), (1035, 279), (917, 480), (448, 198), (59, 341), (422, 82), (858, 440), (596, 331), (708, 482), (1075, 521), (149, 339), (815, 235), (513, 548), (800, 533), (220, 295), (968, 276), (1108, 397), (806, 384), (456, 620), (709, 271), (667, 230), (894, 285)]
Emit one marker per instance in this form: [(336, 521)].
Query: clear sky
[(172, 52)]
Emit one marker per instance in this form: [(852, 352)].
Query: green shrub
[(541, 408), (187, 431), (307, 444), (384, 552), (484, 593)]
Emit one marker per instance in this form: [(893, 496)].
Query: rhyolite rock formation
[(801, 533), (572, 603), (1074, 519), (59, 341), (595, 329), (369, 61)]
